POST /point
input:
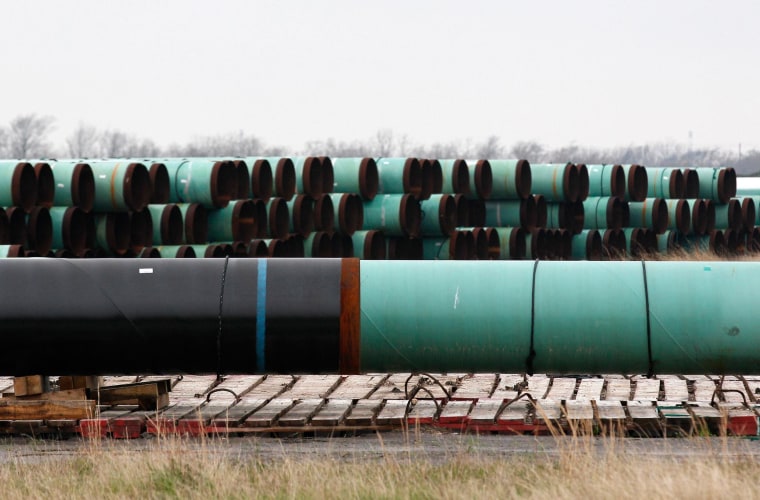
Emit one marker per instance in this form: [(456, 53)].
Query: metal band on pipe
[(532, 353), (650, 371)]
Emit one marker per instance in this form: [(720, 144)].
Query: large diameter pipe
[(690, 183), (749, 213), (399, 176), (438, 215), (458, 246), (637, 182), (511, 243), (284, 177), (432, 177), (557, 182), (665, 183), (120, 186), (456, 176), (18, 185), (69, 229), (140, 230), (394, 214), (356, 175), (11, 251), (176, 251), (349, 216), (160, 185), (324, 213), (614, 243), (39, 231), (606, 180), (587, 245), (235, 222), (262, 179), (309, 178), (510, 213), (481, 179), (369, 244), (195, 223), (568, 215), (277, 218), (729, 215), (404, 248), (604, 212), (651, 213), (74, 184), (679, 215), (512, 179), (669, 242), (167, 224), (43, 173), (211, 183), (717, 184), (301, 209), (113, 232)]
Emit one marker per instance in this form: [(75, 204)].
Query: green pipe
[(568, 215), (511, 243), (555, 181), (194, 222), (459, 246), (399, 176), (756, 200), (691, 316), (112, 232), (309, 175), (8, 251), (637, 182), (679, 215), (394, 214), (717, 184), (728, 215), (212, 183), (348, 212), (603, 212), (369, 244), (587, 245), (278, 219), (281, 177), (651, 213), (167, 224), (356, 175), (665, 182), (18, 185), (176, 251), (481, 180), (235, 222), (606, 180), (512, 179), (456, 176), (511, 213), (74, 184), (439, 215), (69, 229), (668, 242), (317, 244), (120, 185), (301, 209)]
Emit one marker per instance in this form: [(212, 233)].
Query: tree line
[(28, 136)]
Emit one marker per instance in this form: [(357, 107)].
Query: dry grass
[(581, 469)]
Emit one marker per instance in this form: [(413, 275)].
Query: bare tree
[(28, 136), (3, 141), (490, 148), (529, 150), (83, 141), (113, 144)]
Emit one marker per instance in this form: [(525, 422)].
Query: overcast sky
[(597, 73)]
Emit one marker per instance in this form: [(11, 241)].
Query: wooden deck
[(332, 404)]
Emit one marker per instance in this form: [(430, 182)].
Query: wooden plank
[(479, 385), (455, 412), (647, 389), (733, 397), (675, 389), (642, 410), (332, 413), (753, 384), (548, 410), (357, 386), (618, 389), (234, 415), (67, 395), (272, 387), (610, 410), (301, 412), (704, 389), (505, 387), (703, 410), (313, 387), (485, 411), (423, 412), (449, 383), (363, 412), (147, 395), (30, 385), (269, 413), (537, 386), (393, 387), (21, 409), (590, 389), (561, 388), (579, 410), (393, 413), (514, 413)]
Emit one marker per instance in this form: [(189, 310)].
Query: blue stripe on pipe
[(261, 314)]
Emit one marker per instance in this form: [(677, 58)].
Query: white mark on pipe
[(146, 270), (102, 176), (456, 298), (60, 185)]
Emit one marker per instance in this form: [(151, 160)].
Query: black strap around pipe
[(532, 353), (219, 333), (650, 370)]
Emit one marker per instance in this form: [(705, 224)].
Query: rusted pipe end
[(412, 177), (222, 183), (242, 180), (528, 215), (140, 230), (565, 243), (16, 225), (613, 243), (324, 213), (24, 186), (749, 212), (594, 250), (709, 215), (149, 253), (637, 242), (261, 179), (39, 230), (369, 179), (570, 187), (311, 177), (541, 245), (196, 224), (732, 237), (625, 210), (617, 181), (583, 182), (461, 246), (575, 217), (343, 245), (64, 253), (239, 249), (279, 248), (523, 179), (437, 177), (638, 183), (159, 184), (426, 179), (4, 228), (321, 246), (683, 216), (476, 210), (660, 215), (735, 221), (672, 242), (753, 240), (690, 183), (278, 219), (650, 241), (718, 242), (460, 177), (481, 244), (493, 241), (517, 244), (410, 215), (136, 187), (258, 248), (260, 217), (214, 252), (483, 179), (244, 222), (45, 184), (542, 214), (614, 213), (463, 210), (303, 215), (16, 251), (726, 184), (328, 174), (285, 179), (294, 246), (676, 185), (354, 214), (170, 225), (374, 245), (74, 230), (185, 252), (83, 187), (447, 214), (699, 217)]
